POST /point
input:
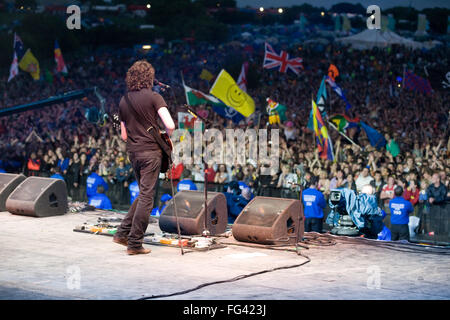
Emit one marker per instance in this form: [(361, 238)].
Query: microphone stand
[(173, 192), (299, 215), (205, 232)]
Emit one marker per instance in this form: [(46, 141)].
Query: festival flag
[(337, 23), (206, 75), (18, 47), (242, 80), (273, 60), (343, 122), (30, 64), (276, 111), (346, 23), (228, 113), (323, 140), (60, 65), (320, 101), (186, 121), (338, 91), (196, 97), (17, 56), (415, 83), (376, 139), (391, 22), (422, 25), (14, 70), (226, 89), (333, 72), (321, 97)]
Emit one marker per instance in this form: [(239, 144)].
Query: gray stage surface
[(43, 258)]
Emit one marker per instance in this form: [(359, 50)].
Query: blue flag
[(338, 91), (322, 93), (320, 101), (228, 113), (376, 139), (18, 47)]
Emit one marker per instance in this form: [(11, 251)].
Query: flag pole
[(184, 89), (329, 95), (313, 132), (342, 134)]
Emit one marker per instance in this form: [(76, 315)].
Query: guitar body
[(167, 152)]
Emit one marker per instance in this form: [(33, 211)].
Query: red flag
[(60, 65), (242, 80)]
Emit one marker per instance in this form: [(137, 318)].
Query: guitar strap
[(165, 148)]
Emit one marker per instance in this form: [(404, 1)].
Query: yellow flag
[(30, 64), (226, 89), (206, 75)]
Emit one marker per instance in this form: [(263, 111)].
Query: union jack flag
[(273, 60)]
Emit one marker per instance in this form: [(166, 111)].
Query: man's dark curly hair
[(140, 76)]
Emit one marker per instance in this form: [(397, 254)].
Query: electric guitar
[(162, 139)]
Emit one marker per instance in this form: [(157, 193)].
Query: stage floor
[(43, 258)]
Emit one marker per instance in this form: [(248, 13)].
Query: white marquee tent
[(368, 39)]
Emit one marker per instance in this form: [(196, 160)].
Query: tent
[(368, 39), (323, 41)]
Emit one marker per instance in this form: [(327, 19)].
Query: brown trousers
[(146, 166)]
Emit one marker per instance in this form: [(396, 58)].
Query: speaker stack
[(191, 213), (267, 220), (33, 196)]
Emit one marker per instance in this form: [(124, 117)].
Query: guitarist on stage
[(138, 110)]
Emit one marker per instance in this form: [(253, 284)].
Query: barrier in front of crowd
[(434, 225)]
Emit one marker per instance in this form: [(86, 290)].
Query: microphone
[(163, 85)]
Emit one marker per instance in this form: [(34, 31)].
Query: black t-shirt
[(146, 103)]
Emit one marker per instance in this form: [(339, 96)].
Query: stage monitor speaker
[(191, 213), (8, 182), (267, 220), (38, 197)]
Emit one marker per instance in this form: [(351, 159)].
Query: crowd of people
[(59, 139)]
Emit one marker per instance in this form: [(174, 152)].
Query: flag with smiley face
[(227, 90)]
